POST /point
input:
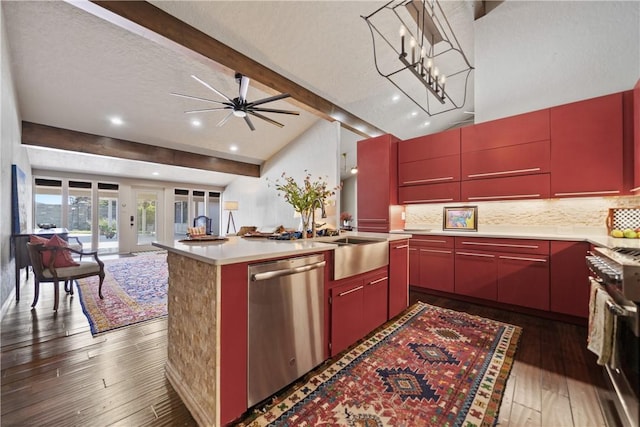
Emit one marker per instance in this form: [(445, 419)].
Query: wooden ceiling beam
[(64, 139), (145, 19)]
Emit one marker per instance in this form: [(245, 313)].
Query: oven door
[(620, 398)]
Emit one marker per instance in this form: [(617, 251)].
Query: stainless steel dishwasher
[(286, 323)]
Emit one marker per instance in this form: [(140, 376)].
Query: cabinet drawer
[(429, 171), (519, 246), (524, 280), (523, 159), (430, 193), (378, 225), (432, 241), (520, 129), (429, 146), (510, 188)]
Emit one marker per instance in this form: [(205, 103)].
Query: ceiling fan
[(239, 106)]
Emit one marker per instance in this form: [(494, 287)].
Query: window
[(181, 213), (48, 202)]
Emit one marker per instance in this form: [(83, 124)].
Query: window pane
[(108, 220), (48, 205), (180, 214), (79, 214)]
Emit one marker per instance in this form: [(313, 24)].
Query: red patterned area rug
[(134, 290), (430, 367)]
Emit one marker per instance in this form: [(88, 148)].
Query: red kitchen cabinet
[(430, 193), (399, 277), (347, 313), (523, 280), (375, 294), (431, 263), (586, 137), (476, 274), (431, 146), (522, 159), (514, 130), (377, 181), (569, 288), (430, 171), (508, 188), (636, 136)]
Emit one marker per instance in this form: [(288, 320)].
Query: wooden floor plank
[(522, 416)]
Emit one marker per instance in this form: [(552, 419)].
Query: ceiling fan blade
[(208, 86), (226, 118), (248, 120), (244, 88), (270, 99), (272, 110), (198, 98), (206, 110), (265, 118)]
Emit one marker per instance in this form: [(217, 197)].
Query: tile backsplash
[(562, 216)]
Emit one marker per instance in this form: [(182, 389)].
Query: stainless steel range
[(618, 271)]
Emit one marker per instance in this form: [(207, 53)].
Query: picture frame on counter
[(460, 218)]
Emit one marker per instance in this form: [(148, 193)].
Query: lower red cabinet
[(524, 280), (375, 297), (399, 274), (347, 311), (431, 263), (569, 278), (476, 274)]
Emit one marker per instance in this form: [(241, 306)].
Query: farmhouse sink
[(355, 255)]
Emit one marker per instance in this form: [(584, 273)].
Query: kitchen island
[(208, 316)]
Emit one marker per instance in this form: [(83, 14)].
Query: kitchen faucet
[(313, 215)]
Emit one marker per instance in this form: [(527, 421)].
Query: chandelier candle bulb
[(412, 43), (402, 30)]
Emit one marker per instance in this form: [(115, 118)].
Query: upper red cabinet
[(587, 147), (429, 146), (636, 137), (522, 159), (378, 185)]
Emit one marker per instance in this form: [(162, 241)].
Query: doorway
[(148, 218)]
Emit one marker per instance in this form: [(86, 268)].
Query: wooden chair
[(203, 220), (49, 273)]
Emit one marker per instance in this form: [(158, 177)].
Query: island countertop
[(246, 249)]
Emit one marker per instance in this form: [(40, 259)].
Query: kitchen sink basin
[(355, 255)]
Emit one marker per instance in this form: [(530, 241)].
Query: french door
[(148, 219)]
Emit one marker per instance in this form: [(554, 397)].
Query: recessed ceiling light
[(196, 123), (395, 98), (116, 121), (414, 113), (155, 173), (426, 124), (233, 148)]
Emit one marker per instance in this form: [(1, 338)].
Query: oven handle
[(618, 310)]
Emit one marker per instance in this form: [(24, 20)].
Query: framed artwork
[(460, 218), (18, 200)]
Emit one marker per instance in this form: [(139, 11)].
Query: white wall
[(315, 151), (348, 198), (531, 55), (10, 153)]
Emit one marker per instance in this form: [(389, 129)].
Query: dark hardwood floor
[(55, 373)]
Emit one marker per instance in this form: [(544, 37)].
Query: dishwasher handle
[(286, 272)]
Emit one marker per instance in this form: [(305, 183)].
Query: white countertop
[(598, 239), (240, 249)]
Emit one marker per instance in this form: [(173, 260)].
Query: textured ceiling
[(74, 70)]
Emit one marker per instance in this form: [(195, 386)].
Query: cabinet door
[(476, 274), (586, 147), (347, 310), (414, 266), (377, 177), (429, 171), (511, 188), (523, 159), (437, 269), (636, 136), (520, 129), (569, 278), (430, 193), (375, 301), (523, 280), (399, 277), (440, 144)]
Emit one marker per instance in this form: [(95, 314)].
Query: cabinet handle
[(579, 193), (428, 200), (416, 181), (475, 175), (504, 245), (515, 196), (470, 254), (379, 280), (401, 247), (372, 227), (429, 240), (435, 250), (413, 249), (522, 258), (341, 294), (373, 219)]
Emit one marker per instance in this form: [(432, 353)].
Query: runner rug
[(430, 367), (134, 290)]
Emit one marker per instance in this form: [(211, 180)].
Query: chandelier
[(415, 49)]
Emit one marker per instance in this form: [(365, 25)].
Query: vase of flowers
[(346, 218), (302, 197)]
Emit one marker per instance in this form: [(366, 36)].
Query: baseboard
[(198, 413)]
